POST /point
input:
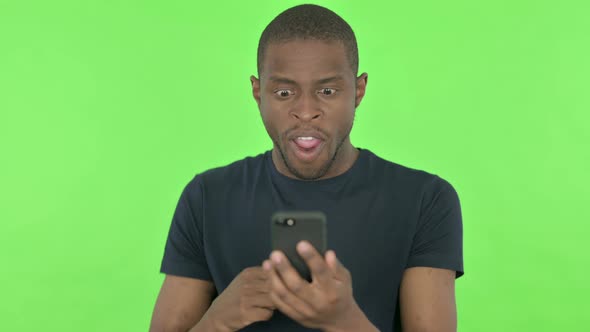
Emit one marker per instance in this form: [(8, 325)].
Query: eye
[(327, 91), (283, 93)]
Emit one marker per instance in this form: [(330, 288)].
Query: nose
[(306, 108)]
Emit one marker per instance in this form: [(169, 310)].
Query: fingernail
[(304, 246), (276, 257)]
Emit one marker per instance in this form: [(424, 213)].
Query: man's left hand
[(326, 303)]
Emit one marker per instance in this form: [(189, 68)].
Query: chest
[(370, 235)]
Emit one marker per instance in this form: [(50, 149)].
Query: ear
[(255, 89), (361, 86)]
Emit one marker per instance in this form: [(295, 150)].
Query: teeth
[(305, 138)]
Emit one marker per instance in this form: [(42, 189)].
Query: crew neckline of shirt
[(330, 183)]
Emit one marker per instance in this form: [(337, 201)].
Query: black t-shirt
[(382, 218)]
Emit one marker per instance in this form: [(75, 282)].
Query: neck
[(345, 159)]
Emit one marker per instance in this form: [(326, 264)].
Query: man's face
[(307, 95)]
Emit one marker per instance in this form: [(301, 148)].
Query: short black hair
[(309, 22)]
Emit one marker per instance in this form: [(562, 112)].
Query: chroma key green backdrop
[(108, 108)]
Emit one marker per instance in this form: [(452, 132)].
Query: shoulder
[(403, 177), (235, 173)]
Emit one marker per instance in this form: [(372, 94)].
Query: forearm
[(357, 322), (208, 324), (360, 326), (202, 326)]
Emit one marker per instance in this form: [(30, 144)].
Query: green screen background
[(109, 108)]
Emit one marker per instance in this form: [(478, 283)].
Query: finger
[(335, 265), (265, 284), (259, 314), (259, 291), (256, 281), (259, 286), (320, 271), (286, 309), (261, 301), (255, 272), (284, 299), (290, 277)]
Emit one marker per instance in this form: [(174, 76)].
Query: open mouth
[(306, 148)]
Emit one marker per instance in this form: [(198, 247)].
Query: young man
[(394, 233)]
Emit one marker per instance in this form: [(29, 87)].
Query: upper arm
[(438, 238), (427, 300), (181, 303)]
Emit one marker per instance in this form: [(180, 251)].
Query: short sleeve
[(184, 253), (438, 240)]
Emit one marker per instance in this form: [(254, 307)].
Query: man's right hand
[(246, 300)]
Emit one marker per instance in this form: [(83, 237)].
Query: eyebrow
[(279, 79), (330, 79)]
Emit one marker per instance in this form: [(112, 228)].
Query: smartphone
[(287, 228)]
